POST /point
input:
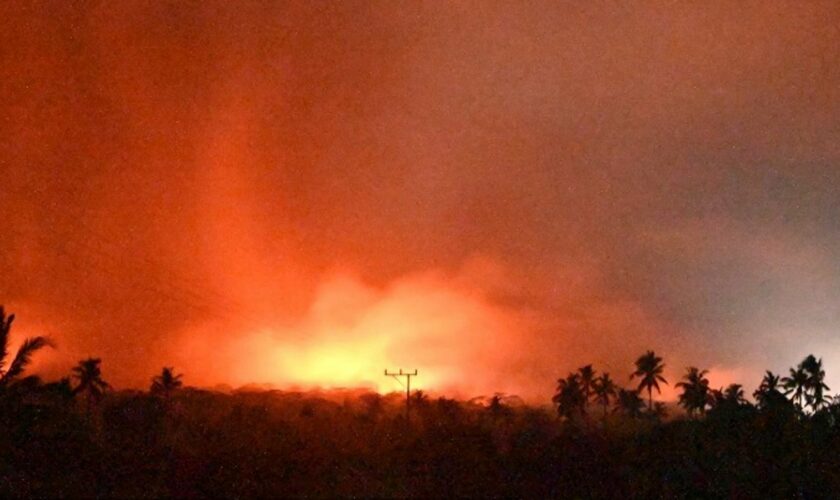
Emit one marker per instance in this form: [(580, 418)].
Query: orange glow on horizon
[(354, 331)]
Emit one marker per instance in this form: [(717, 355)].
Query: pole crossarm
[(407, 374)]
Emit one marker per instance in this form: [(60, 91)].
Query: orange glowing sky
[(304, 194)]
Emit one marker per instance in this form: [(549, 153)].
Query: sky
[(494, 193)]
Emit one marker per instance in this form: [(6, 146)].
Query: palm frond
[(24, 357), (5, 327), (101, 384)]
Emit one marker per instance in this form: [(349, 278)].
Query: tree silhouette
[(569, 397), (24, 354), (61, 388), (89, 376), (796, 385), (166, 383), (587, 382), (604, 390), (769, 383), (496, 408), (660, 411), (728, 401), (419, 399), (695, 395), (373, 404), (734, 393), (768, 395), (629, 403), (815, 395), (649, 368)]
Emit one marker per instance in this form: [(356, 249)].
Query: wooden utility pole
[(407, 376)]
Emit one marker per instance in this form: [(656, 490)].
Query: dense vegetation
[(78, 437)]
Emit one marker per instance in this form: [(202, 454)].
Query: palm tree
[(796, 385), (24, 353), (815, 396), (587, 381), (166, 383), (769, 383), (604, 390), (569, 397), (695, 395), (649, 368), (734, 393), (629, 403), (768, 393), (729, 399), (89, 376)]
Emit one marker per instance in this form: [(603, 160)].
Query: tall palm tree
[(24, 354), (796, 385), (604, 390), (587, 381), (166, 383), (629, 403), (89, 376), (569, 397), (649, 368), (695, 395), (816, 387)]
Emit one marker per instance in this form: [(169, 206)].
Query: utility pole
[(407, 376)]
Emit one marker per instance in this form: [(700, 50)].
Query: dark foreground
[(197, 443)]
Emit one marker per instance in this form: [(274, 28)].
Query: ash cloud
[(604, 179)]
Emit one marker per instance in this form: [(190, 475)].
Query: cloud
[(353, 331), (587, 181)]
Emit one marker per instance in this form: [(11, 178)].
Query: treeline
[(78, 437), (803, 392)]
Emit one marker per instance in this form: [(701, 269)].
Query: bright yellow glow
[(353, 332), (338, 364)]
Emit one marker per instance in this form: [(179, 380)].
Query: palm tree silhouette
[(569, 396), (734, 393), (816, 388), (649, 368), (166, 383), (629, 402), (89, 376), (796, 385), (587, 381), (604, 390), (769, 383), (768, 392), (24, 354), (695, 395), (728, 399)]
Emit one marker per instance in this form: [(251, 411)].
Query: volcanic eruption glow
[(352, 332), (308, 193)]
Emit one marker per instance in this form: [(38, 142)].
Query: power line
[(407, 386)]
